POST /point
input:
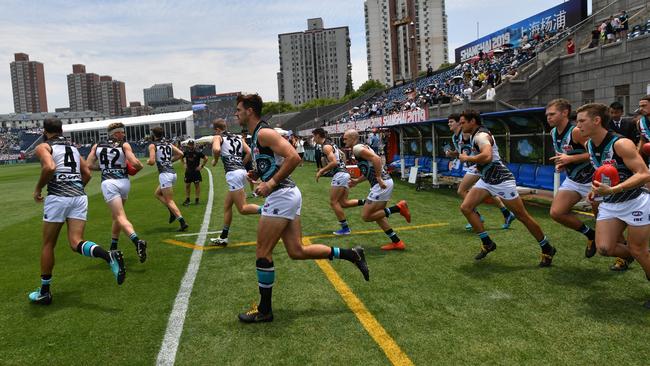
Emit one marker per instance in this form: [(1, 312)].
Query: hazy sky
[(232, 44)]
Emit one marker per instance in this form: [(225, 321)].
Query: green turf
[(433, 299)]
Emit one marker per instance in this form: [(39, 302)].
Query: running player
[(496, 180), (339, 188), (230, 148), (65, 173), (572, 157), (193, 160), (164, 154), (274, 159), (381, 189), (461, 144), (113, 156), (625, 205)]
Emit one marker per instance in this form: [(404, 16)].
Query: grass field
[(432, 300)]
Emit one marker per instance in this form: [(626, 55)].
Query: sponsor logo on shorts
[(501, 193), (512, 194), (275, 211), (637, 213), (45, 216)]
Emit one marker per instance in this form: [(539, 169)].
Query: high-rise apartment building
[(91, 92), (403, 37), (158, 93), (28, 85), (314, 64)]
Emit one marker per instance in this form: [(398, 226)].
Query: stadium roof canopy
[(129, 121)]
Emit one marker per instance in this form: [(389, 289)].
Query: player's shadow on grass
[(607, 308), (574, 276), (68, 299), (486, 269)]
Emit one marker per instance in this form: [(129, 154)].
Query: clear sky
[(232, 44)]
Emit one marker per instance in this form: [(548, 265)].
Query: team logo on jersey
[(637, 213)]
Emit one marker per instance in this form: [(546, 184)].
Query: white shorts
[(58, 209), (472, 170), (506, 190), (341, 179), (285, 203), (167, 180), (582, 189), (635, 212), (381, 195), (236, 180), (114, 188)]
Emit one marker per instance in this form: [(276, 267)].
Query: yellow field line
[(372, 326), (251, 243)]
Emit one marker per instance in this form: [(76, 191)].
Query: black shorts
[(193, 176)]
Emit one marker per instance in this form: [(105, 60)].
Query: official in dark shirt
[(193, 160), (622, 126)]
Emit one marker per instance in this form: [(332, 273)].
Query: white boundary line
[(199, 233), (169, 347)]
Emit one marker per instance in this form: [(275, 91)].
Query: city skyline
[(149, 42)]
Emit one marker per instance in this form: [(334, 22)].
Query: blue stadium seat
[(443, 165), (527, 175), (544, 177), (425, 164), (514, 168)]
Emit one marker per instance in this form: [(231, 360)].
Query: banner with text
[(399, 118), (562, 16)]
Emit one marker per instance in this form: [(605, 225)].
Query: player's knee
[(366, 217), (603, 249), (556, 214), (296, 253), (466, 209)]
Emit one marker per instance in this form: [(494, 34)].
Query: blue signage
[(551, 20)]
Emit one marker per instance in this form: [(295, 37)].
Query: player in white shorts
[(231, 148), (471, 175), (274, 159), (381, 189), (572, 157), (339, 187), (111, 157), (496, 180), (625, 205), (65, 173), (164, 154)]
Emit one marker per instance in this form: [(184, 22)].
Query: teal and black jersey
[(494, 172), (266, 162), (462, 145), (66, 181), (112, 160), (606, 154), (164, 155), (366, 167), (563, 143), (340, 163)]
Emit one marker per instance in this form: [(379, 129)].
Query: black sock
[(545, 245), (134, 238), (187, 200), (89, 249), (265, 280), (340, 253), (587, 231), (45, 283), (196, 200), (391, 210), (485, 238), (344, 224), (181, 220), (505, 212), (361, 202), (224, 232), (392, 235), (114, 243)]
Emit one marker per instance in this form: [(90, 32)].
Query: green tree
[(277, 108), (369, 85), (321, 102), (445, 65)]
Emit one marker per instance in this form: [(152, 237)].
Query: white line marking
[(195, 234), (169, 347)]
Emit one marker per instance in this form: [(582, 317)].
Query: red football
[(646, 148), (130, 169), (607, 174)]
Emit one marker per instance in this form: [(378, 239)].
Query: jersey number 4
[(68, 160)]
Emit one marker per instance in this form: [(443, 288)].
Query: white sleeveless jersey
[(232, 150), (164, 155), (112, 160), (66, 181)]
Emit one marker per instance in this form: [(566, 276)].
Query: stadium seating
[(514, 168), (527, 175), (544, 177)]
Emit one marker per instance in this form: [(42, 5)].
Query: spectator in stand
[(570, 47), (616, 25), (491, 92), (429, 71), (624, 25), (595, 37)]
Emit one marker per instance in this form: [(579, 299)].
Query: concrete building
[(35, 120), (158, 93), (314, 64), (28, 84), (111, 96), (202, 90), (403, 37)]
